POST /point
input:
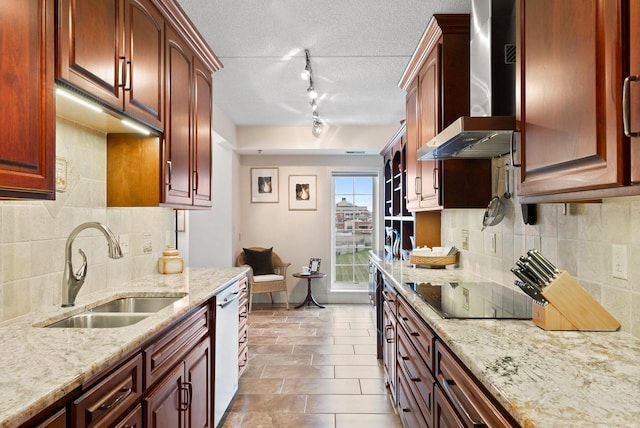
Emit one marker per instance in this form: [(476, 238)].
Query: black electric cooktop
[(478, 300)]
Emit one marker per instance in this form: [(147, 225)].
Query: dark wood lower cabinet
[(432, 387), (133, 419), (58, 420), (103, 404), (408, 407), (443, 414), (183, 397)]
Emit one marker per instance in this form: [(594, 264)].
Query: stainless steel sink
[(136, 304), (99, 320), (119, 312)]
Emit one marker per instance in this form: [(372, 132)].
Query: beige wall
[(579, 242), (297, 235), (33, 233)]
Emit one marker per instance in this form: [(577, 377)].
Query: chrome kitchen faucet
[(72, 282)]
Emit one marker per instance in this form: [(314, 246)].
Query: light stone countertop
[(542, 378), (41, 365)]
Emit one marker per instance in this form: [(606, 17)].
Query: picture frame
[(302, 193), (264, 185), (314, 265)]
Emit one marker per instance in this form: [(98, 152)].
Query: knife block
[(570, 307)]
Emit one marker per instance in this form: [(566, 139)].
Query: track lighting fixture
[(307, 73)]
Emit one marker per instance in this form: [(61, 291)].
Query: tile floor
[(312, 367)]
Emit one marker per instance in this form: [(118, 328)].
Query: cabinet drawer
[(390, 297), (471, 402), (103, 404), (407, 406), (243, 361), (420, 334), (133, 419), (167, 350), (418, 376)]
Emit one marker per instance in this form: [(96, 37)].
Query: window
[(354, 215)]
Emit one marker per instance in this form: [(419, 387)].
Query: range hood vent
[(471, 137), (488, 131)]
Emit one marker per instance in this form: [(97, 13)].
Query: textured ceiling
[(359, 49)]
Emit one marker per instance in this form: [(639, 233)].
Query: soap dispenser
[(170, 262)]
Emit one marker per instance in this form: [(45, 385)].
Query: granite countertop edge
[(542, 378), (42, 365)]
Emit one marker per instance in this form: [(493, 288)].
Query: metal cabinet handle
[(195, 181), (435, 179), (168, 182), (186, 388), (122, 77), (124, 393), (418, 185), (127, 81), (447, 388), (386, 336), (512, 144), (626, 106)]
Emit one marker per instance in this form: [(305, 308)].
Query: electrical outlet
[(493, 242), (147, 246), (123, 240), (619, 261), (465, 239)]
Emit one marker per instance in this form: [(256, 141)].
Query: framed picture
[(264, 185), (314, 265), (302, 192)]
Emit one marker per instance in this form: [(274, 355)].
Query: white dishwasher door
[(226, 352)]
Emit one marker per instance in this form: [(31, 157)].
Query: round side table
[(309, 299)]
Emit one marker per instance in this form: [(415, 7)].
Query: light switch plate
[(465, 239), (619, 261)]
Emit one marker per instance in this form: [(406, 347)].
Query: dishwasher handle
[(230, 298)]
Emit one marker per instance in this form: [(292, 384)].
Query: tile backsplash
[(578, 238), (33, 233)]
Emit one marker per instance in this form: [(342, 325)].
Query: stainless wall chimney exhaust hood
[(488, 132)]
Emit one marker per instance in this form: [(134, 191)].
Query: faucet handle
[(82, 271)]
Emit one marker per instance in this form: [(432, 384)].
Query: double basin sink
[(119, 312)]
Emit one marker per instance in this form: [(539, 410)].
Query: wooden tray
[(433, 261)]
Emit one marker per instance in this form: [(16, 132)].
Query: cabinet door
[(430, 124), (570, 95), (27, 144), (414, 169), (389, 346), (178, 104), (163, 404), (202, 137), (199, 378), (144, 52), (90, 47), (634, 88)]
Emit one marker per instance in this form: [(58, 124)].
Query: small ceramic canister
[(170, 262)]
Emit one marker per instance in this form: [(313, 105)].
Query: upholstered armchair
[(268, 272)]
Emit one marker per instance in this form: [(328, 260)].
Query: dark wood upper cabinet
[(178, 126), (113, 51), (572, 61), (437, 85), (202, 135), (27, 144)]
